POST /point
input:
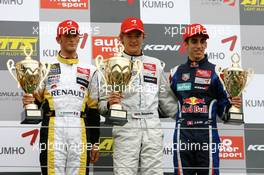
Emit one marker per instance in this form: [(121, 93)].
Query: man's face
[(132, 42), (68, 42), (195, 47)]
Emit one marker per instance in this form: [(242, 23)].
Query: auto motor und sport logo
[(232, 148), (64, 4), (105, 46)]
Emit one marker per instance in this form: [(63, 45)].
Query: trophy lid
[(118, 58), (28, 59), (235, 58)]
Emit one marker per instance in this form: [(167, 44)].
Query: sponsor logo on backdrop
[(157, 4), (168, 150), (255, 148), (12, 150), (14, 45), (10, 95), (162, 47), (232, 148), (216, 55), (105, 46), (33, 133), (254, 103), (49, 53), (231, 39), (254, 49), (106, 146), (54, 52), (130, 2), (64, 4), (253, 5), (11, 2), (230, 3)]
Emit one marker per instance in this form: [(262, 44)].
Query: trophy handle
[(119, 49), (11, 67), (139, 68), (44, 72), (163, 64), (99, 61), (250, 74), (219, 71)]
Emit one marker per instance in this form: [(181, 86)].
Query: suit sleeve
[(92, 113), (167, 100), (223, 103)]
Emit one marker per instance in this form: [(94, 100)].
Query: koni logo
[(105, 46), (64, 4), (162, 47)]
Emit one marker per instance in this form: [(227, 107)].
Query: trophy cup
[(117, 73), (29, 74), (235, 80)]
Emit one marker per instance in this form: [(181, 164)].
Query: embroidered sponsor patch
[(194, 109), (150, 68), (55, 69), (53, 79), (150, 79), (201, 87), (83, 71), (184, 86), (53, 86), (185, 76), (203, 73), (199, 80), (193, 101), (82, 81)]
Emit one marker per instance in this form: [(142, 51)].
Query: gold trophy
[(118, 75), (235, 80), (29, 74)]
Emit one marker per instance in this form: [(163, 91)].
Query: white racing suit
[(139, 143), (65, 142)]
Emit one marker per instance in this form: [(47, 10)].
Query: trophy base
[(31, 116), (235, 115), (116, 107), (31, 106), (117, 117), (236, 118)]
